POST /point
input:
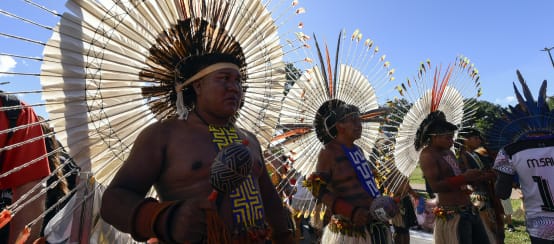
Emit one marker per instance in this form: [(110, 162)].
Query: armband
[(456, 181), (151, 219), (316, 184)]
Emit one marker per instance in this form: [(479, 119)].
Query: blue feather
[(527, 117)]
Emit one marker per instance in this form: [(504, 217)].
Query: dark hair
[(327, 116), (470, 132), (434, 123)]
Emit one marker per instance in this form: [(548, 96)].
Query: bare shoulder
[(252, 139), (428, 161), (158, 134), (426, 156), (328, 151), (326, 158)]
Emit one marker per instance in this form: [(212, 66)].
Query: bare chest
[(187, 166)]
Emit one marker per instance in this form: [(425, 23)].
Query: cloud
[(6, 64), (509, 100)]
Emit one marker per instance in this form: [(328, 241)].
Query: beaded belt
[(448, 212)]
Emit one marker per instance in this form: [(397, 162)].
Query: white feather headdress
[(358, 73), (108, 68), (452, 91)]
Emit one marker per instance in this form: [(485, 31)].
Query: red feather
[(439, 87), (330, 76)]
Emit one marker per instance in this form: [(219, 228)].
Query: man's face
[(351, 126), (220, 92), (443, 140), (473, 142)]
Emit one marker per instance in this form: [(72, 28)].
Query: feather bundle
[(528, 117), (453, 94)]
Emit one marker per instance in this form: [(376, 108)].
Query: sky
[(498, 36)]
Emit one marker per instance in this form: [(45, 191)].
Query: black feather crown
[(191, 44), (528, 117), (434, 123), (328, 115)]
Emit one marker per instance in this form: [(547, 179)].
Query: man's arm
[(28, 213), (438, 183), (322, 176), (277, 215), (319, 181), (503, 185), (134, 179), (506, 172)]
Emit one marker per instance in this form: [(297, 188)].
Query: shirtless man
[(457, 220), (347, 192), (175, 157)]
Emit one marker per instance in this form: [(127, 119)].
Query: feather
[(108, 68), (428, 91), (528, 117), (322, 63), (330, 73), (541, 99), (351, 83), (529, 101), (336, 59)]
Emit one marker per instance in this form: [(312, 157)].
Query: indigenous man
[(473, 156), (175, 157), (457, 220), (343, 180), (210, 178)]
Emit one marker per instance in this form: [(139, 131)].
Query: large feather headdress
[(528, 117), (110, 67), (452, 91), (355, 77)]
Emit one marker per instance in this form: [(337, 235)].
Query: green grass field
[(519, 236)]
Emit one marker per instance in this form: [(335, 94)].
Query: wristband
[(164, 221), (343, 208), (456, 181), (143, 220)]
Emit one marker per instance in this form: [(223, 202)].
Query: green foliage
[(417, 176), (398, 107), (292, 74), (486, 113)]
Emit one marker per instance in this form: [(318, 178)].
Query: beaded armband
[(316, 184)]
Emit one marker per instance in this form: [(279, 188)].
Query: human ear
[(197, 86)]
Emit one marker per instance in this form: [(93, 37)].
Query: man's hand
[(472, 175), (487, 175)]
